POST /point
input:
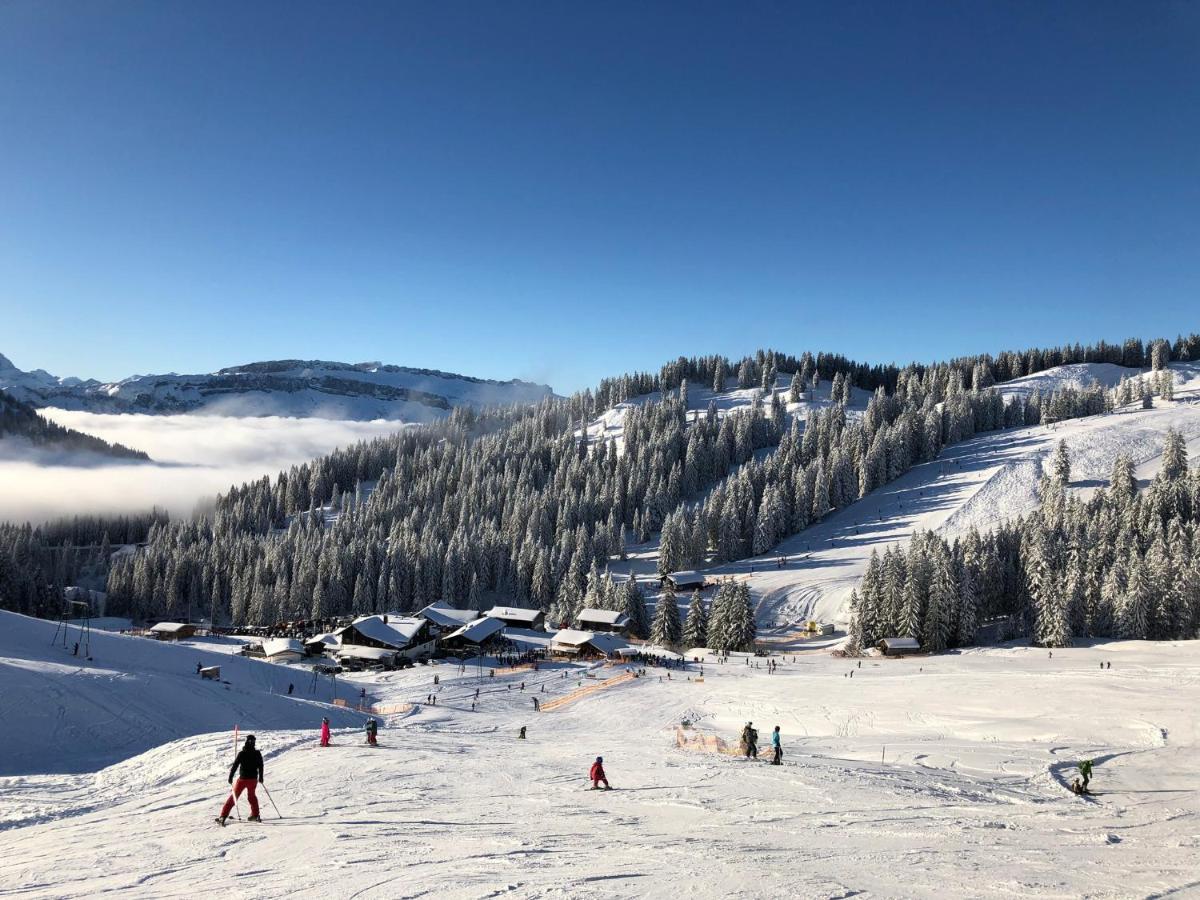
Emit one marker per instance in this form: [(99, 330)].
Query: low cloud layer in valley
[(194, 457)]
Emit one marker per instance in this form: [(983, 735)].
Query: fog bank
[(193, 457)]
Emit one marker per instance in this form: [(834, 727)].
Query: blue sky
[(562, 191)]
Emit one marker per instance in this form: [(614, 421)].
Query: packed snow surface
[(71, 713), (921, 777)]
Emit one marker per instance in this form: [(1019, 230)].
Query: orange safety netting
[(698, 741), (582, 692)]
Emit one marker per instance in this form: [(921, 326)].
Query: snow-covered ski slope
[(925, 777), (977, 483), (610, 425), (68, 714)]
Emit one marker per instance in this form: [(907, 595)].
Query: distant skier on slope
[(777, 746), (325, 732), (250, 763), (372, 731), (1085, 772), (597, 774)]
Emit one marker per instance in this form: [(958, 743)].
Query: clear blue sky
[(561, 191)]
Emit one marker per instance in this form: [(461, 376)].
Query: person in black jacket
[(249, 766)]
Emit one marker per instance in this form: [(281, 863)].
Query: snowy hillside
[(911, 779), (1076, 375), (977, 483), (78, 715), (610, 424), (296, 388)]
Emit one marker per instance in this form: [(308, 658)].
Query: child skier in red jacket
[(597, 774)]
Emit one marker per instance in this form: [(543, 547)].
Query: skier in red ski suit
[(597, 774), (250, 762), (325, 732)]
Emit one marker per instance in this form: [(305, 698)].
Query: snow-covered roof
[(479, 630), (572, 637), (901, 643), (686, 576), (514, 612), (528, 638), (375, 653), (281, 646), (443, 614), (603, 616), (171, 627), (608, 643), (329, 640), (397, 631)]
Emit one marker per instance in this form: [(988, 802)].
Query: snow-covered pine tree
[(719, 638), (635, 609), (665, 628), (1060, 466), (742, 627), (1133, 614), (695, 628), (796, 390)]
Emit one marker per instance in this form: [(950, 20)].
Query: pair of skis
[(220, 820)]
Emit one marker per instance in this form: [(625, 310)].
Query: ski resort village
[(599, 451)]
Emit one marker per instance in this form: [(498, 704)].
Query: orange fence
[(580, 693), (690, 739), (393, 710)]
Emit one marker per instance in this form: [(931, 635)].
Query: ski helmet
[(250, 739), (599, 759)]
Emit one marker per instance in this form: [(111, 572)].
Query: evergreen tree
[(1061, 464), (634, 608), (695, 629), (665, 629)]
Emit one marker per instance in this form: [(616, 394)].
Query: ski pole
[(272, 799), (233, 796)]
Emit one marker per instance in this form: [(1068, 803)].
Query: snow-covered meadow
[(921, 777)]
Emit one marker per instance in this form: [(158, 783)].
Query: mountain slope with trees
[(20, 421)]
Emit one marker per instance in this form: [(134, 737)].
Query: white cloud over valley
[(195, 457)]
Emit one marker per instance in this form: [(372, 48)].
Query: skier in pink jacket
[(325, 732)]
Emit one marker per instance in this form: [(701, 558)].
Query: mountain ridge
[(284, 387)]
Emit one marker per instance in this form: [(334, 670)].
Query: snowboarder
[(249, 766), (521, 733), (291, 687), (777, 746), (1085, 772), (199, 666), (372, 730), (597, 774), (325, 731)]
